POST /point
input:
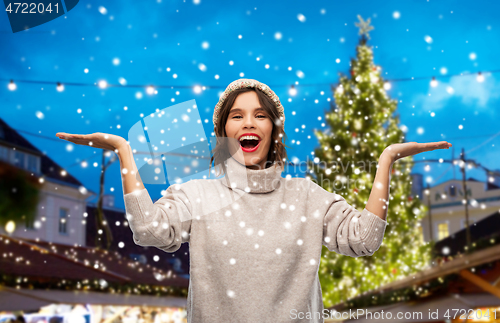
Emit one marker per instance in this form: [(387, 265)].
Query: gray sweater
[(255, 241)]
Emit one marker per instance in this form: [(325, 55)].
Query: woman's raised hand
[(398, 151), (97, 140)]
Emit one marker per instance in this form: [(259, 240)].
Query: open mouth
[(249, 145)]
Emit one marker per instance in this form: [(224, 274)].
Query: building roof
[(48, 265), (10, 137), (459, 180), (491, 186), (179, 260), (489, 257)]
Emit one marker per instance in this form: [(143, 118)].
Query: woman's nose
[(249, 123)]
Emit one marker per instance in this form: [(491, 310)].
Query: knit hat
[(243, 83)]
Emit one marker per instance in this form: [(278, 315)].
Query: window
[(453, 190), (30, 224), (4, 153), (443, 230), (32, 163), (19, 159), (63, 221)]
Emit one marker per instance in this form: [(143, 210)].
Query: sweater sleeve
[(349, 232), (165, 224)]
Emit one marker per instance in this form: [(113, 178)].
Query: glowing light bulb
[(12, 86), (103, 84), (10, 227), (60, 87), (434, 83), (480, 77), (292, 91)]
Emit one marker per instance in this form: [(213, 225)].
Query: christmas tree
[(359, 126)]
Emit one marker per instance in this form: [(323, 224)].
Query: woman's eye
[(257, 116)]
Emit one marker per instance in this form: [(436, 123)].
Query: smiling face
[(248, 119)]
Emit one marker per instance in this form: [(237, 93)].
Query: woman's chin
[(249, 161), (253, 161)]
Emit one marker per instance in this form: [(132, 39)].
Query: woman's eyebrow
[(239, 110)]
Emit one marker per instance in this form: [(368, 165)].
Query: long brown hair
[(277, 150)]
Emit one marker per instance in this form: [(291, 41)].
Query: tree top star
[(364, 26)]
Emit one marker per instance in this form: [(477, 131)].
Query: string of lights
[(435, 180), (152, 89), (85, 160), (64, 142), (483, 143), (84, 215)]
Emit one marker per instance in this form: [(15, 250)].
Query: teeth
[(249, 137)]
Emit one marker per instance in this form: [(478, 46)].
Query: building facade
[(61, 207), (447, 206)]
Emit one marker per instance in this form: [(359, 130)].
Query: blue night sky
[(188, 43)]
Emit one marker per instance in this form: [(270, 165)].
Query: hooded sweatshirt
[(255, 241)]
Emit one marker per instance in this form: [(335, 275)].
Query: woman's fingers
[(67, 136), (401, 150), (435, 145), (77, 139), (429, 146), (443, 145), (62, 135), (96, 140)]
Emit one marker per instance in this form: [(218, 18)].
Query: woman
[(255, 238)]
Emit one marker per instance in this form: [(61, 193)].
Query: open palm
[(398, 151), (97, 140)]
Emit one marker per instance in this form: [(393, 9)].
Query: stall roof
[(432, 304), (454, 266), (13, 299), (450, 267), (43, 260)]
